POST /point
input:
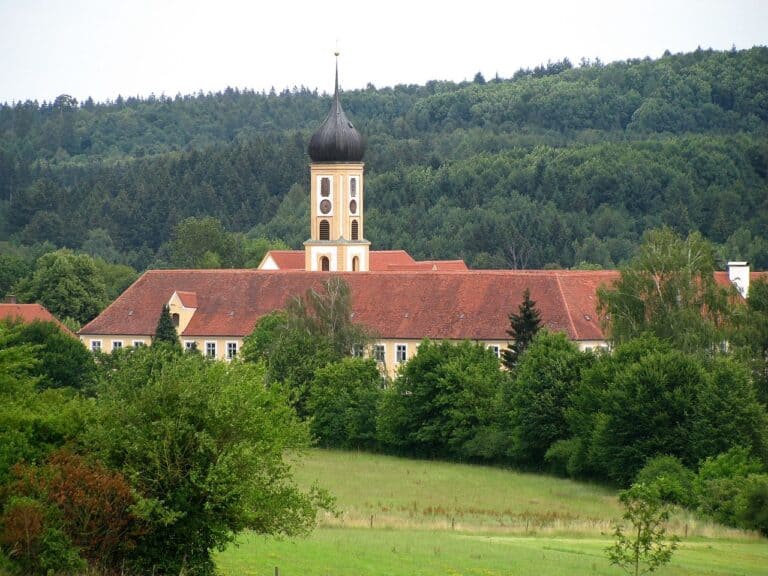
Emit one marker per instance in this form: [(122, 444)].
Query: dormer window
[(175, 320)]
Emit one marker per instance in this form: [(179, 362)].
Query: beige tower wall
[(340, 248)]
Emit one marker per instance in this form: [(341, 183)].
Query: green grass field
[(411, 517)]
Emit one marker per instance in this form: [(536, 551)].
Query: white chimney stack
[(738, 275)]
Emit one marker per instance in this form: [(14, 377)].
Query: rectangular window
[(190, 345), (357, 350), (95, 345), (496, 350), (117, 344), (401, 353), (231, 350), (378, 353), (325, 187), (138, 343), (210, 349)]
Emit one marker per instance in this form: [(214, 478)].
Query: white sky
[(102, 48)]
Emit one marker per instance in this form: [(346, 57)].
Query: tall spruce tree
[(523, 327), (165, 331)]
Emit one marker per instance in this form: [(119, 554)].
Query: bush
[(93, 504), (562, 455), (752, 503), (672, 479), (33, 540), (720, 481)]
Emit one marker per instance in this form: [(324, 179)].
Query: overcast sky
[(102, 48)]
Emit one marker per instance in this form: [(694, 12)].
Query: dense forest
[(559, 166)]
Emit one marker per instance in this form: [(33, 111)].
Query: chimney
[(738, 275)]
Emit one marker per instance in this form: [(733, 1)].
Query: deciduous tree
[(203, 444), (66, 283), (668, 289), (644, 547)]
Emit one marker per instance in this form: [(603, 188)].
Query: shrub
[(672, 479), (33, 540), (92, 505), (752, 503), (721, 479)]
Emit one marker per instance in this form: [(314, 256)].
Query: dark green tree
[(204, 243), (537, 396), (12, 269), (62, 360), (523, 327), (66, 283), (646, 411), (203, 444), (752, 504), (32, 422), (343, 402), (442, 402), (166, 333), (726, 413)]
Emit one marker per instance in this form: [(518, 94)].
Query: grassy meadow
[(411, 517)]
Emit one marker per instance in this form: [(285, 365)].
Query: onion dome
[(336, 140)]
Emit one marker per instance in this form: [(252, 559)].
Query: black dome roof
[(336, 140)]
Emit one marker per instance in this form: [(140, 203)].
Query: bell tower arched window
[(355, 230), (355, 264), (325, 230), (325, 264)]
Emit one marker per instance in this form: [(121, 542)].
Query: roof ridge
[(567, 308)]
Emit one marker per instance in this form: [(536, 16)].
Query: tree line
[(591, 155)]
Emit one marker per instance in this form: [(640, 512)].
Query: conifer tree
[(523, 327), (165, 331)]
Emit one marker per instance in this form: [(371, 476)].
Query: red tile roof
[(432, 265), (379, 261), (188, 299), (440, 305), (382, 260), (287, 259), (30, 313)]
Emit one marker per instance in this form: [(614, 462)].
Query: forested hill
[(556, 166)]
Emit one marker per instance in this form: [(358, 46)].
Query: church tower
[(336, 242)]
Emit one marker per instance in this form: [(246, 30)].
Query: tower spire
[(336, 87)]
